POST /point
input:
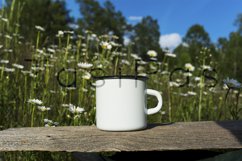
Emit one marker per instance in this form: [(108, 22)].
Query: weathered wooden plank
[(176, 136)]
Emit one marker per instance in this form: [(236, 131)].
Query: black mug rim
[(121, 77)]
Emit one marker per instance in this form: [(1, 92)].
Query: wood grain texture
[(176, 136)]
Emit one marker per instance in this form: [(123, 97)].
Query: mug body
[(121, 104)]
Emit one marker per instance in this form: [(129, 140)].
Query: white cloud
[(135, 18), (73, 26), (170, 41), (126, 40)]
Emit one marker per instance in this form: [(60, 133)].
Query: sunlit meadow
[(53, 85)]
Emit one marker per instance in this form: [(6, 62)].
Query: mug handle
[(159, 98)]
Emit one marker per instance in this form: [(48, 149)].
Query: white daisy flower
[(86, 76), (49, 65), (65, 105), (4, 61), (4, 19), (47, 121), (191, 93), (94, 35), (99, 66), (197, 79), (142, 62), (154, 59), (8, 50), (165, 72), (71, 88), (114, 43), (84, 65), (73, 109), (18, 66), (25, 72), (152, 53), (10, 70), (141, 68), (43, 108), (60, 33), (170, 55), (173, 84), (40, 28), (35, 101), (37, 68), (187, 74), (135, 56), (106, 45), (8, 37), (190, 67), (206, 67), (84, 90), (32, 75), (142, 74), (51, 50), (52, 91), (40, 51), (125, 62)]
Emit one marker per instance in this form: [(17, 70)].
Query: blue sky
[(176, 16)]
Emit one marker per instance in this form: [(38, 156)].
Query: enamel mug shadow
[(121, 103)]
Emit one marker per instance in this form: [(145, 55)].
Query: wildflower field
[(53, 84)]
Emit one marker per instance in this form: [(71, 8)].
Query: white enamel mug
[(121, 103)]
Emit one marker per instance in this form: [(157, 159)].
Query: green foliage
[(196, 38), (49, 14), (101, 19), (183, 55), (146, 37), (196, 35), (238, 23), (230, 55)]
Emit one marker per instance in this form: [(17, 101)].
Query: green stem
[(32, 117), (169, 102), (37, 41), (201, 94), (42, 119), (67, 46), (25, 96), (116, 66)]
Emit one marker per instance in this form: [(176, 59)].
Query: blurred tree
[(183, 56), (146, 37), (238, 23), (101, 19), (52, 15), (196, 38), (230, 55), (222, 44), (196, 35), (230, 52)]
